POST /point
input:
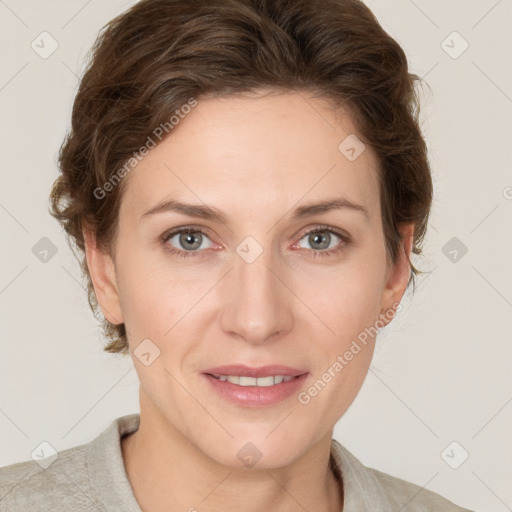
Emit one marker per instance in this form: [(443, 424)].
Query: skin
[(256, 158)]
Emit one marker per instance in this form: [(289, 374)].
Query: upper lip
[(260, 371)]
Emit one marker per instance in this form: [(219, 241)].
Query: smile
[(261, 386), (242, 380)]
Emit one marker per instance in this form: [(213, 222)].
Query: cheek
[(163, 301), (349, 308), (145, 293), (151, 308), (349, 301)]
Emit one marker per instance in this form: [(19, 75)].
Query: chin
[(256, 451)]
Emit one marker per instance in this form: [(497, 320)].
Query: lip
[(255, 396)]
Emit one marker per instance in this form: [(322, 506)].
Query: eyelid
[(322, 227), (183, 229)]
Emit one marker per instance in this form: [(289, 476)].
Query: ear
[(397, 276), (102, 270)]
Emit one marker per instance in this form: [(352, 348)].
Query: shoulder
[(62, 485), (412, 497), (368, 489), (90, 476)]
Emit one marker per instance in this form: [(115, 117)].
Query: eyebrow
[(211, 213)]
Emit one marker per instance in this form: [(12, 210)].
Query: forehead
[(256, 152)]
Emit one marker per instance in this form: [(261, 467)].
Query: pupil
[(314, 240), (188, 239)]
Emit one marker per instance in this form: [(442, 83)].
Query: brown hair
[(152, 59)]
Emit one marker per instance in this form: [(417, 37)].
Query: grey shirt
[(92, 477)]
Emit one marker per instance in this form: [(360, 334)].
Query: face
[(252, 285)]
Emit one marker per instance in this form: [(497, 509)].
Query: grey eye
[(188, 240), (320, 240)]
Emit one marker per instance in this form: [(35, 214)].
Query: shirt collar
[(107, 472)]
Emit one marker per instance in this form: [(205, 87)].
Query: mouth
[(255, 387), (262, 382)]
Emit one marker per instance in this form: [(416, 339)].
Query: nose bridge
[(258, 307)]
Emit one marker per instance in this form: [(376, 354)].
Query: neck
[(168, 473)]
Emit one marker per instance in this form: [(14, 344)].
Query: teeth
[(264, 381), (253, 381)]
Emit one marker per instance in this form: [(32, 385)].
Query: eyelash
[(197, 253)]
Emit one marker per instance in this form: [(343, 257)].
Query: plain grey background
[(441, 371)]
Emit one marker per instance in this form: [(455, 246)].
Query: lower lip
[(255, 396)]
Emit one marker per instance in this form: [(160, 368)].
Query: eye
[(323, 241), (187, 242)]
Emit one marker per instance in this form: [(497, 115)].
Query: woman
[(245, 182)]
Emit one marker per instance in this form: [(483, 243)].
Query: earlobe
[(102, 270), (399, 273)]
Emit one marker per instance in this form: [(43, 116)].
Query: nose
[(258, 303)]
